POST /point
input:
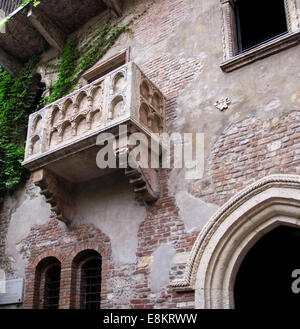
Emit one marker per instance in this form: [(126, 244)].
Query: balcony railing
[(124, 95), (61, 146), (9, 6)]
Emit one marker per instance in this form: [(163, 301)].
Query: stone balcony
[(61, 141)]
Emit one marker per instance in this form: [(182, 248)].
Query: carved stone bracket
[(145, 182), (58, 193)]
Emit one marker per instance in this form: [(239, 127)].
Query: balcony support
[(12, 65), (145, 182), (115, 5), (58, 193), (46, 28)]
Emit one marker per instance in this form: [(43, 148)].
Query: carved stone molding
[(230, 233), (122, 96), (223, 104), (274, 46), (58, 193)]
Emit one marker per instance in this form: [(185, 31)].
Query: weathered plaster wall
[(109, 204), (22, 210), (160, 267), (25, 217)]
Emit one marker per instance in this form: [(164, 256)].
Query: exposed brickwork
[(159, 21), (50, 240), (162, 225), (171, 74), (248, 151)]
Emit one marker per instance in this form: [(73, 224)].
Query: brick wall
[(248, 151), (50, 240)]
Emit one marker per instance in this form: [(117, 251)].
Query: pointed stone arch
[(228, 236)]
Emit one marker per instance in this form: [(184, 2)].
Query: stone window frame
[(106, 66), (233, 60)]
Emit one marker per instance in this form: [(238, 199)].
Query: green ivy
[(74, 61), (17, 98), (67, 66)]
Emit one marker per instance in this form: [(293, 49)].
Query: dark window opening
[(264, 279), (52, 287), (259, 21), (37, 105), (91, 284)]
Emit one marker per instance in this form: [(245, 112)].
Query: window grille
[(52, 287), (91, 284)]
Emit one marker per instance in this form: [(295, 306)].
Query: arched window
[(47, 284), (91, 284), (52, 287), (86, 280)]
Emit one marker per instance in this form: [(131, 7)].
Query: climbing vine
[(17, 101), (67, 66), (74, 60)]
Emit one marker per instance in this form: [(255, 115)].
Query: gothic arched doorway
[(264, 278), (232, 232)]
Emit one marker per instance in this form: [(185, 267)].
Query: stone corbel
[(58, 193), (145, 182), (47, 28), (115, 5)]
